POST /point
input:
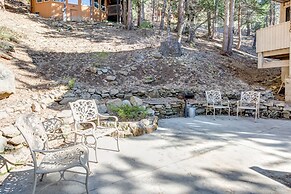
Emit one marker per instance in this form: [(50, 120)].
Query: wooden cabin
[(273, 47), (78, 10)]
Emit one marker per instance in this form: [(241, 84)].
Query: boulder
[(7, 82), (135, 101), (126, 102), (171, 48), (10, 131), (3, 143), (65, 114), (16, 140), (114, 102)]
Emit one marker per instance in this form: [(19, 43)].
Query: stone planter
[(136, 128)]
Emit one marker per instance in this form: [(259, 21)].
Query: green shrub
[(126, 112), (71, 83), (146, 24), (101, 55)]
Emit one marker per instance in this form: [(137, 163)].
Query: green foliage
[(71, 83), (7, 35), (146, 24), (102, 55), (128, 113)]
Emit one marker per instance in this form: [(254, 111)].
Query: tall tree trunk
[(153, 11), (209, 24), (129, 15), (139, 13), (169, 19), (142, 11), (226, 27), (248, 23), (181, 11), (180, 25), (231, 26), (163, 16), (214, 21), (124, 12), (239, 25)]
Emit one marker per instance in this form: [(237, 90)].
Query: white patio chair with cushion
[(249, 100), (86, 112), (214, 101), (57, 160)]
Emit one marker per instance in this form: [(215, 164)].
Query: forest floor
[(49, 53)]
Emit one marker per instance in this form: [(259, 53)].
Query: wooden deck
[(274, 43)]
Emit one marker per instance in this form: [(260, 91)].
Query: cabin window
[(103, 8), (46, 0), (287, 14), (38, 1), (61, 1), (73, 2), (86, 2)]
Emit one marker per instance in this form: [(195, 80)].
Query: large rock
[(135, 101), (3, 143), (114, 102), (7, 82), (10, 131), (171, 48)]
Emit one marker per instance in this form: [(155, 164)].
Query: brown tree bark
[(153, 11), (239, 26), (124, 12), (129, 15), (231, 26), (209, 24), (214, 21), (169, 18), (226, 25), (162, 24), (180, 25)]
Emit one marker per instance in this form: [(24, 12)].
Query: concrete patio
[(198, 155)]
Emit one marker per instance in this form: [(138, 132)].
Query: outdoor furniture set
[(249, 100), (45, 160)]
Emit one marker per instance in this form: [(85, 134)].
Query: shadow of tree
[(279, 176)]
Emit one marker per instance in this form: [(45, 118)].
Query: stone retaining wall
[(271, 109)]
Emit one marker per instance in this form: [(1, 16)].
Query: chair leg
[(87, 168), (206, 110), (214, 113), (237, 113), (42, 176), (96, 147), (117, 141), (229, 112), (34, 183)]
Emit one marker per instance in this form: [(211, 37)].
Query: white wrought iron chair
[(86, 112), (249, 100), (57, 160), (214, 101)]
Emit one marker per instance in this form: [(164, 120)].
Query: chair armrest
[(87, 122), (61, 149), (107, 117)]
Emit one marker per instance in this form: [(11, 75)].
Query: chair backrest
[(84, 110), (250, 97), (213, 96), (33, 131)]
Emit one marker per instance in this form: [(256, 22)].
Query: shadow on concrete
[(278, 176)]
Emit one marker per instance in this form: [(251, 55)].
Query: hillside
[(103, 56)]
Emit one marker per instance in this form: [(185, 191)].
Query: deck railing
[(273, 38)]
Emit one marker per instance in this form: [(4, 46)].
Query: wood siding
[(273, 38), (74, 12)]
